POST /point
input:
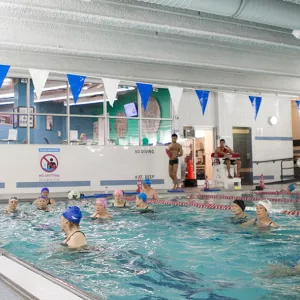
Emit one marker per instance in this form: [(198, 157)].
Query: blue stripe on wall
[(2, 185), (127, 182), (273, 138), (266, 177), (21, 185)]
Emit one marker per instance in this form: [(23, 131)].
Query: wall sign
[(49, 164)]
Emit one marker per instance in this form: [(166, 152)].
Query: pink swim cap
[(102, 201), (118, 193)]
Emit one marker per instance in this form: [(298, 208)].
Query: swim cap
[(142, 196), (44, 190), (102, 201), (42, 197), (118, 193), (147, 181), (240, 203), (73, 214), (13, 198), (266, 204)]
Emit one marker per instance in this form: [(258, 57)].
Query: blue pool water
[(176, 253)]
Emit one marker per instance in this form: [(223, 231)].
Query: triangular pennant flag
[(203, 99), (3, 72), (229, 102), (176, 94), (111, 89), (76, 83), (256, 102), (298, 105), (39, 78), (145, 90)]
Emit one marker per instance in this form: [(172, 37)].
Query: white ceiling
[(131, 41)]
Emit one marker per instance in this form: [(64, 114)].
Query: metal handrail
[(273, 160)]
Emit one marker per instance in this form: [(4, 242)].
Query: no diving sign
[(49, 163)]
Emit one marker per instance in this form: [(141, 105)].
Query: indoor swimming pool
[(176, 253)]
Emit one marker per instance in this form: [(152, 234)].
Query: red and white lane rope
[(252, 199), (209, 206), (277, 193)]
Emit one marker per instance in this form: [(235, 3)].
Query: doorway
[(242, 143), (199, 150)]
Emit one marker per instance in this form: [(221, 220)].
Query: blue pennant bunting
[(256, 102), (298, 105), (145, 91), (203, 99), (3, 72), (76, 83)]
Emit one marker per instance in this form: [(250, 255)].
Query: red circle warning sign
[(49, 163)]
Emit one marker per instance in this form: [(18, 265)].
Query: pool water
[(176, 253)]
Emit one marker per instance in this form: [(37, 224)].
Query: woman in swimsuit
[(12, 206), (263, 220), (141, 204), (42, 203), (238, 208), (118, 200), (45, 193), (101, 213), (70, 220)]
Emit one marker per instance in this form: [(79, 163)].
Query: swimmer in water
[(70, 220), (148, 190), (101, 213), (263, 220), (45, 193), (42, 204), (118, 199), (141, 203), (238, 208), (12, 206)]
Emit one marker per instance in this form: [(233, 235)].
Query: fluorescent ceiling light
[(7, 103), (296, 34)]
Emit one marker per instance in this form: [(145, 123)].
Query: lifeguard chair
[(220, 175)]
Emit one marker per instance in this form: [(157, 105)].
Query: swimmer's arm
[(155, 195), (229, 150), (218, 150), (273, 224), (78, 240), (249, 223), (93, 215), (52, 201), (180, 153), (35, 202)]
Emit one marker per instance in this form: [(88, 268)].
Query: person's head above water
[(240, 204), (263, 208), (141, 198), (174, 137), (13, 203), (45, 192), (42, 203), (71, 216), (147, 183), (118, 194), (101, 204)]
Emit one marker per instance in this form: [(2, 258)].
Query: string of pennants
[(76, 83)]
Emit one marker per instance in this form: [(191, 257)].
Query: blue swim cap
[(42, 197), (142, 196), (44, 190), (291, 187), (73, 214), (147, 181)]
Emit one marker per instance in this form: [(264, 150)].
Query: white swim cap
[(74, 195), (266, 204)]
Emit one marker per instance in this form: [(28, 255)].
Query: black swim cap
[(240, 203)]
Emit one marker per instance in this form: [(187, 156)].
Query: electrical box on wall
[(188, 131)]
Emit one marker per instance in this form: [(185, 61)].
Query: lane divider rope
[(206, 205), (277, 193)]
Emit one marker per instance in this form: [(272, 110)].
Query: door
[(242, 143)]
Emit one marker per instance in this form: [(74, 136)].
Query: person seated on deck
[(101, 213), (12, 208), (141, 204), (45, 193), (118, 199), (83, 139), (70, 220), (148, 190), (226, 151), (263, 220), (238, 209), (42, 203)]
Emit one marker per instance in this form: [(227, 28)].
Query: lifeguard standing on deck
[(174, 151)]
